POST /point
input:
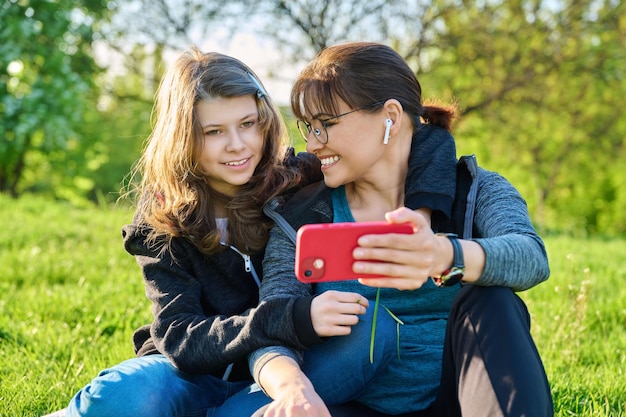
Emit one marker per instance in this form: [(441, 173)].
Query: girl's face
[(233, 141)]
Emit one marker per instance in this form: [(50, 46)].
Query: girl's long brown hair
[(173, 197)]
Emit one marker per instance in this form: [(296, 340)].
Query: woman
[(464, 343), (218, 152)]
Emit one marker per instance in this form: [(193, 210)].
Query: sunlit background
[(540, 86)]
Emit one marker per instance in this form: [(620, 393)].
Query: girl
[(217, 153)]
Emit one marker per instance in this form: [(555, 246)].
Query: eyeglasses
[(318, 126)]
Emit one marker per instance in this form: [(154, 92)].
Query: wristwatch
[(454, 274)]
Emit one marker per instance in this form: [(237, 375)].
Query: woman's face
[(354, 147), (233, 141)]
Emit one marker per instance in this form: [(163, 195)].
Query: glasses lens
[(319, 130), (304, 128)]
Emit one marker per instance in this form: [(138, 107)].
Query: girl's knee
[(128, 389)]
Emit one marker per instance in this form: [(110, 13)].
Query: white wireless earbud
[(388, 124)]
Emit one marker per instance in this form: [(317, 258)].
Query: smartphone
[(324, 251)]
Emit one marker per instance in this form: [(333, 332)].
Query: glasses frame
[(309, 128)]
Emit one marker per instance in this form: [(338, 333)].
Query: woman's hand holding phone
[(406, 261)]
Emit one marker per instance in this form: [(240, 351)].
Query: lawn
[(70, 298)]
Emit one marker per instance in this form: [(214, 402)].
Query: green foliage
[(45, 79), (60, 136), (112, 142), (71, 298), (540, 89), (296, 137), (540, 86)]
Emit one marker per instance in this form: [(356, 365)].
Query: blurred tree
[(175, 24), (46, 69), (125, 109), (303, 27), (144, 29), (540, 85)]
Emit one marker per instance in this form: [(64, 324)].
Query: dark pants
[(491, 366)]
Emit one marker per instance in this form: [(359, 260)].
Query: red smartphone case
[(324, 251)]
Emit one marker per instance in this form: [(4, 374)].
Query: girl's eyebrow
[(255, 114), (247, 116)]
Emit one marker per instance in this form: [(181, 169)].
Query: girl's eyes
[(245, 125)]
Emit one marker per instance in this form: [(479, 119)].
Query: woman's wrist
[(474, 255), (470, 259), (445, 255), (453, 274)]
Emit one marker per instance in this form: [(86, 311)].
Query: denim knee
[(344, 359), (135, 387), (381, 342)]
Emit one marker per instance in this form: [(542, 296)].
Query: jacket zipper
[(280, 221), (247, 262)]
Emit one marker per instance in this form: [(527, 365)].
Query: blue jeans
[(491, 365), (340, 368), (150, 386)]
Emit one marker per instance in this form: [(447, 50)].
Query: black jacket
[(205, 306)]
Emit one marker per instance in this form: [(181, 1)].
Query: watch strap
[(454, 274)]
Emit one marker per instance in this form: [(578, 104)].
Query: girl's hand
[(334, 312), (409, 260), (292, 391)]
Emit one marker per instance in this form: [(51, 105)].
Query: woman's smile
[(328, 161)]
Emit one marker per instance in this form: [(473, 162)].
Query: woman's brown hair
[(174, 199), (361, 74)]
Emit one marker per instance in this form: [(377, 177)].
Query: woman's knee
[(374, 343), (484, 302), (359, 355)]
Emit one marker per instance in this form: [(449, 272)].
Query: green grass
[(70, 298), (579, 324)]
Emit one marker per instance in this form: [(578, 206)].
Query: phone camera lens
[(308, 273)]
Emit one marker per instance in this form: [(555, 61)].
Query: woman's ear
[(392, 110)]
